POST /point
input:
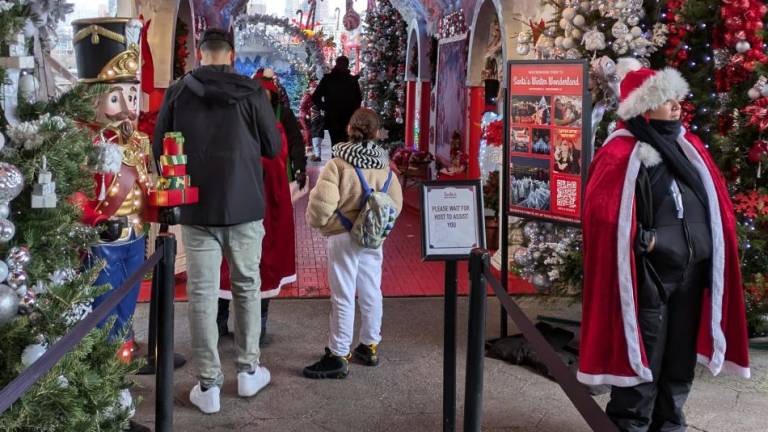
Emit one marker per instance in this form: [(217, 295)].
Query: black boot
[(329, 366), (222, 317)]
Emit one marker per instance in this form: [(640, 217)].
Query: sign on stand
[(452, 219), (452, 224)]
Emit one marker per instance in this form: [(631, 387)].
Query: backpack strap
[(385, 189), (367, 191), (344, 220)]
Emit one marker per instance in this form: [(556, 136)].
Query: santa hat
[(267, 78), (644, 89)]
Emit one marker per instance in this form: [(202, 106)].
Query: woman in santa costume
[(278, 251), (662, 284)]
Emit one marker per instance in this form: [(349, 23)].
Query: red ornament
[(758, 151), (758, 113)]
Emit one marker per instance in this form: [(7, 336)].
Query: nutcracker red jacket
[(612, 350)]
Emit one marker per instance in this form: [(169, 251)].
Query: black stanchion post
[(479, 263), (504, 228), (449, 344), (149, 368), (164, 359)]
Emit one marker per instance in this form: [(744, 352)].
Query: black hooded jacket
[(228, 125), (338, 94)]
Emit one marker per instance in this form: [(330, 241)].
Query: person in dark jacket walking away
[(338, 95), (229, 125)]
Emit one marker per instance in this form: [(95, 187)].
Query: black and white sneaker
[(329, 366)]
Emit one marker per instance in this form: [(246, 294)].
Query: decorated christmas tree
[(43, 290), (383, 78), (728, 78)]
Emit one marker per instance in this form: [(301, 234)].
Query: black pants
[(669, 324)]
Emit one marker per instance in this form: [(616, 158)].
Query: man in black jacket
[(338, 94), (228, 124)]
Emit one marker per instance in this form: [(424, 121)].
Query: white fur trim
[(614, 380), (648, 155), (624, 254), (728, 367), (718, 255), (626, 65), (666, 84), (227, 294)]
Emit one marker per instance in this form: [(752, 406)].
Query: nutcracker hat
[(267, 78), (644, 89), (107, 49)]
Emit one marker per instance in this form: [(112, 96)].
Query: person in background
[(339, 96), (352, 269), (278, 258), (662, 281), (229, 125), (313, 120)]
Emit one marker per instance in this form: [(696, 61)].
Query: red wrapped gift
[(174, 170), (174, 197), (173, 146)]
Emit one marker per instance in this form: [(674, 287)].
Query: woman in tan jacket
[(351, 267)]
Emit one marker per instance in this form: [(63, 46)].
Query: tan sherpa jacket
[(339, 188)]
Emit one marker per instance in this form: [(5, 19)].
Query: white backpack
[(377, 215)]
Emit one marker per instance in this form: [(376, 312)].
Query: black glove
[(645, 240), (170, 215), (301, 178), (110, 230)]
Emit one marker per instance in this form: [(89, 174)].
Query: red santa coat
[(278, 249), (612, 350)]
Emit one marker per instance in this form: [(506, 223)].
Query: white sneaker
[(250, 383), (206, 401)]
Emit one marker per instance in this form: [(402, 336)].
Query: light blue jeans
[(205, 246)]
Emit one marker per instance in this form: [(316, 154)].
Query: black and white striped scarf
[(365, 155)]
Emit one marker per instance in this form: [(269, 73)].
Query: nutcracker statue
[(108, 54)]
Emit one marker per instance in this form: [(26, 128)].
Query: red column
[(426, 88), (410, 113), (475, 113)]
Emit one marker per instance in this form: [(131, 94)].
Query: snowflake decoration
[(751, 204)]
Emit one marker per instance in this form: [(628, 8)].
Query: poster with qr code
[(548, 148)]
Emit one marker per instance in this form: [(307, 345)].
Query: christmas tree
[(736, 89), (44, 291), (383, 78)]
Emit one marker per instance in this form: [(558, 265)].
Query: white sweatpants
[(353, 269)]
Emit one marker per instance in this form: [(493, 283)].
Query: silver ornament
[(3, 271), (17, 278), (523, 49), (19, 255), (569, 13), (743, 46), (541, 281), (521, 257), (633, 20), (11, 182), (753, 93), (5, 208), (579, 20), (619, 29), (7, 230), (531, 230), (573, 53), (764, 91), (9, 304), (620, 46), (27, 303)]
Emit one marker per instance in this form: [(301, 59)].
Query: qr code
[(566, 194)]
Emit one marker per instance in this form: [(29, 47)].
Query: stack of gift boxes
[(173, 187)]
